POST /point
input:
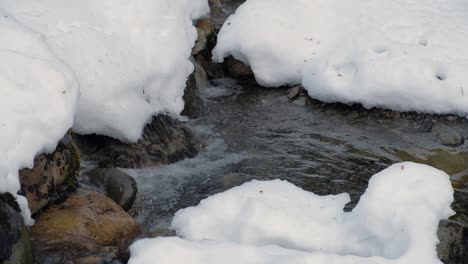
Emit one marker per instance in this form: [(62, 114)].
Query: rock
[(194, 106), (450, 138), (15, 245), (84, 224), (52, 177), (165, 140), (115, 184), (206, 26), (212, 70), (205, 34), (301, 101), (107, 255), (294, 92), (236, 69), (453, 247), (200, 43)]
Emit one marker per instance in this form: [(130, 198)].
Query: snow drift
[(102, 67), (402, 55), (395, 222)]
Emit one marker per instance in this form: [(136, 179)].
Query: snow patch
[(395, 222), (402, 55)]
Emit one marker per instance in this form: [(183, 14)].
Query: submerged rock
[(451, 138), (15, 246), (83, 225), (52, 176), (165, 140), (115, 184)]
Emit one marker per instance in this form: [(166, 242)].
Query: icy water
[(254, 133)]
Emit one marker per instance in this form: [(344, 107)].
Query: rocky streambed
[(94, 195)]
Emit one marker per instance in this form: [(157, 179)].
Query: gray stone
[(453, 247), (451, 138), (165, 140), (115, 184), (194, 106)]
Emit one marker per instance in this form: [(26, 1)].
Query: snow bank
[(38, 99), (131, 58), (402, 55), (395, 222)]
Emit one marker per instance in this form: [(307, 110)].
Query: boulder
[(165, 140), (52, 177), (84, 225)]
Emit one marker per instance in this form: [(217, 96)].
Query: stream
[(251, 132)]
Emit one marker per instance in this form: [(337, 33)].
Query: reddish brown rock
[(84, 223)]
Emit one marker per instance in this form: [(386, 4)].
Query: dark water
[(254, 133)]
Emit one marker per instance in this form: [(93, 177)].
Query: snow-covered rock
[(38, 100), (402, 55), (395, 222), (102, 67), (131, 58)]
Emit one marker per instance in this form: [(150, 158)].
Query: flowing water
[(254, 133)]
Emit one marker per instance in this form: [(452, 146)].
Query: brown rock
[(236, 68), (84, 223), (52, 176)]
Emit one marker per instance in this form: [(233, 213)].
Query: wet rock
[(205, 35), (194, 107), (165, 140), (450, 138), (206, 26), (294, 92), (453, 247), (301, 101), (107, 255), (115, 184), (83, 225), (52, 177), (237, 69), (212, 70), (15, 246)]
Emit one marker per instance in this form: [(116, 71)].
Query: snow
[(101, 67), (395, 222), (39, 97), (402, 55), (131, 58)]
